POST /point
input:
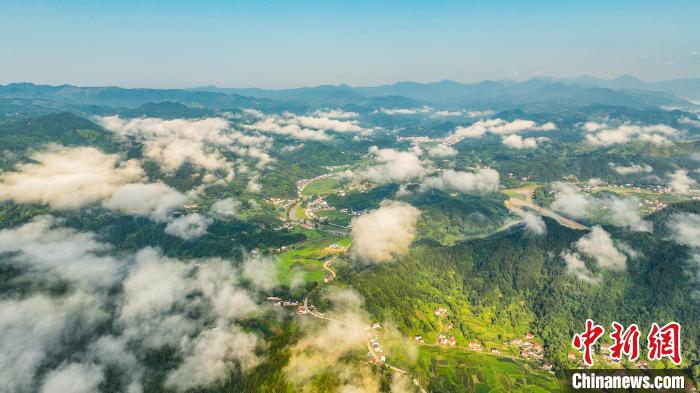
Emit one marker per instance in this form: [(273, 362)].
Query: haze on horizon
[(283, 44)]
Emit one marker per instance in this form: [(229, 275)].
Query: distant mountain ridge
[(537, 94), (623, 91)]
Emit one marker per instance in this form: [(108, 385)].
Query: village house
[(495, 351), (441, 312), (475, 346)]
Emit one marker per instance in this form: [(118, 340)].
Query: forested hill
[(500, 287)]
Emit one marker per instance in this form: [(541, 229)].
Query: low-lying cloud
[(68, 177), (618, 211), (631, 169), (384, 233), (482, 180), (114, 308), (599, 246), (604, 134)]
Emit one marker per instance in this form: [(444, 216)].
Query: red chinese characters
[(665, 342), (626, 341), (584, 341)]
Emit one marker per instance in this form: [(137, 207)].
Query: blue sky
[(301, 43)]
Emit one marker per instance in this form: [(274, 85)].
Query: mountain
[(688, 88), (537, 92), (117, 97)]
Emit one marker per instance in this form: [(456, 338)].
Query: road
[(516, 205)]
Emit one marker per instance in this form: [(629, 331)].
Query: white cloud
[(74, 378), (261, 271), (462, 113), (680, 181), (517, 142), (598, 245), (577, 268), (604, 134), (154, 200), (442, 151), (384, 233), (622, 212), (46, 250), (305, 127), (685, 229), (211, 357), (226, 208), (335, 114), (35, 328), (534, 224), (404, 111), (200, 142), (483, 180), (144, 301), (68, 177), (690, 122), (631, 169), (396, 166), (500, 127), (189, 226), (326, 346)]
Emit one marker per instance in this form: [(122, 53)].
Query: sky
[(282, 44)]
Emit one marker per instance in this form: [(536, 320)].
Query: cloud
[(384, 233), (200, 142), (335, 114), (577, 268), (603, 134), (622, 212), (189, 226), (518, 142), (534, 224), (483, 180), (37, 328), (598, 245), (68, 177), (326, 346), (304, 127), (685, 229), (253, 185), (500, 127), (226, 208), (75, 378), (395, 166), (404, 111), (212, 355), (462, 113), (46, 250), (631, 169), (155, 200), (442, 151), (114, 310), (680, 181), (261, 271), (690, 122)]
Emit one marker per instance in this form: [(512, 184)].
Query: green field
[(323, 186), (456, 370), (306, 259), (335, 217)]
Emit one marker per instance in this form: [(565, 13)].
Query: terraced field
[(459, 371)]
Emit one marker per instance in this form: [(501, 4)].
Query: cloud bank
[(385, 233)]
